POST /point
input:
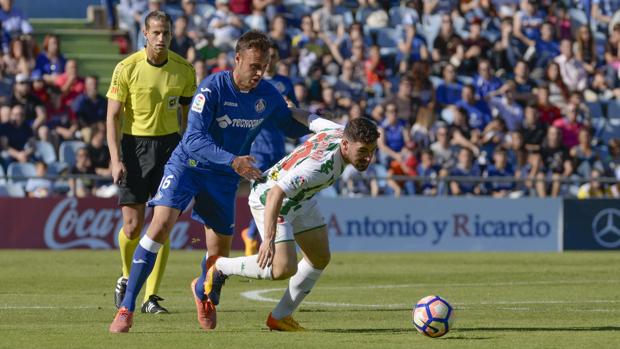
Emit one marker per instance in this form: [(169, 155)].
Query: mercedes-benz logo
[(606, 228)]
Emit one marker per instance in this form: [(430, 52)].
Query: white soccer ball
[(433, 316)]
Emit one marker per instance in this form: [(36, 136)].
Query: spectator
[(6, 85), (553, 152), (201, 70), (476, 47), (241, 8), (547, 47), (585, 157), (281, 38), (412, 48), (406, 166), (449, 91), (33, 107), (533, 130), (129, 16), (572, 71), (524, 84), (330, 18), (348, 85), (558, 92), (547, 111), (181, 43), (527, 23), (602, 12), (61, 120), (375, 70), (422, 89), (503, 105), (224, 25), (448, 46), (90, 108), (18, 135), (464, 168), (478, 114), (501, 169), (403, 101), (80, 183), (594, 188), (18, 56), (222, 63), (485, 82), (257, 20), (442, 149), (51, 61), (196, 22), (308, 47), (98, 152), (39, 187), (421, 130), (14, 22), (70, 83), (393, 136), (569, 126), (585, 49), (505, 50), (427, 168), (612, 162)]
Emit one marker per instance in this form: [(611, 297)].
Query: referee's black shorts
[(144, 158)]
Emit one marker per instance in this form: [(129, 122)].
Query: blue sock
[(252, 230), (139, 273), (200, 284)]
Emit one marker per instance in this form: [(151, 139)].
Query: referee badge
[(173, 102), (260, 105)]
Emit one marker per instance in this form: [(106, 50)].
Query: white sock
[(149, 244), (299, 286), (243, 266)]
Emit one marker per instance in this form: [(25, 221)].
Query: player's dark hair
[(253, 39), (361, 130), (157, 16)]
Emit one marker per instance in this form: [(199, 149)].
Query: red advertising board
[(91, 223)]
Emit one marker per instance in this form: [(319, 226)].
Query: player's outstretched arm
[(314, 122), (275, 196)]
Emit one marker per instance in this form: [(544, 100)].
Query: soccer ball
[(433, 316)]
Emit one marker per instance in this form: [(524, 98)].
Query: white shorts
[(305, 218)]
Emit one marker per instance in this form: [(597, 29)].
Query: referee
[(148, 86)]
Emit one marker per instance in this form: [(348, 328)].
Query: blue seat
[(67, 151), (45, 151), (12, 190), (17, 172)]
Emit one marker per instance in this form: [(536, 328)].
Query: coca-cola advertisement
[(91, 223)]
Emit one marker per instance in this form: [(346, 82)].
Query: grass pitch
[(511, 300)]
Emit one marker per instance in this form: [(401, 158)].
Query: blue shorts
[(215, 195)]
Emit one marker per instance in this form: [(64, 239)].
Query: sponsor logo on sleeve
[(199, 103)]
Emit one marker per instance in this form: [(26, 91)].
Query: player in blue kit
[(269, 145), (226, 115)]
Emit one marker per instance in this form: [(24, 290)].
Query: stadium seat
[(45, 151), (67, 151), (57, 168), (596, 109), (387, 39), (18, 169), (613, 110), (12, 190), (2, 176)]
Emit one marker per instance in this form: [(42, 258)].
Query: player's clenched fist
[(244, 166)]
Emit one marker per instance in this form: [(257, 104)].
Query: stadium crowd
[(519, 98)]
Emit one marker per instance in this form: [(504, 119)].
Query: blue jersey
[(269, 145), (223, 122)]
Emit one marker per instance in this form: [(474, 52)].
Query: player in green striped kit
[(286, 213)]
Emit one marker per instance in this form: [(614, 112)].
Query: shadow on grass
[(539, 329), (392, 331), (344, 310)]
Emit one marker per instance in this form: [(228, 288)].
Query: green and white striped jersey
[(311, 167)]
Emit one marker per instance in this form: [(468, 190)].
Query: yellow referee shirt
[(150, 94)]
